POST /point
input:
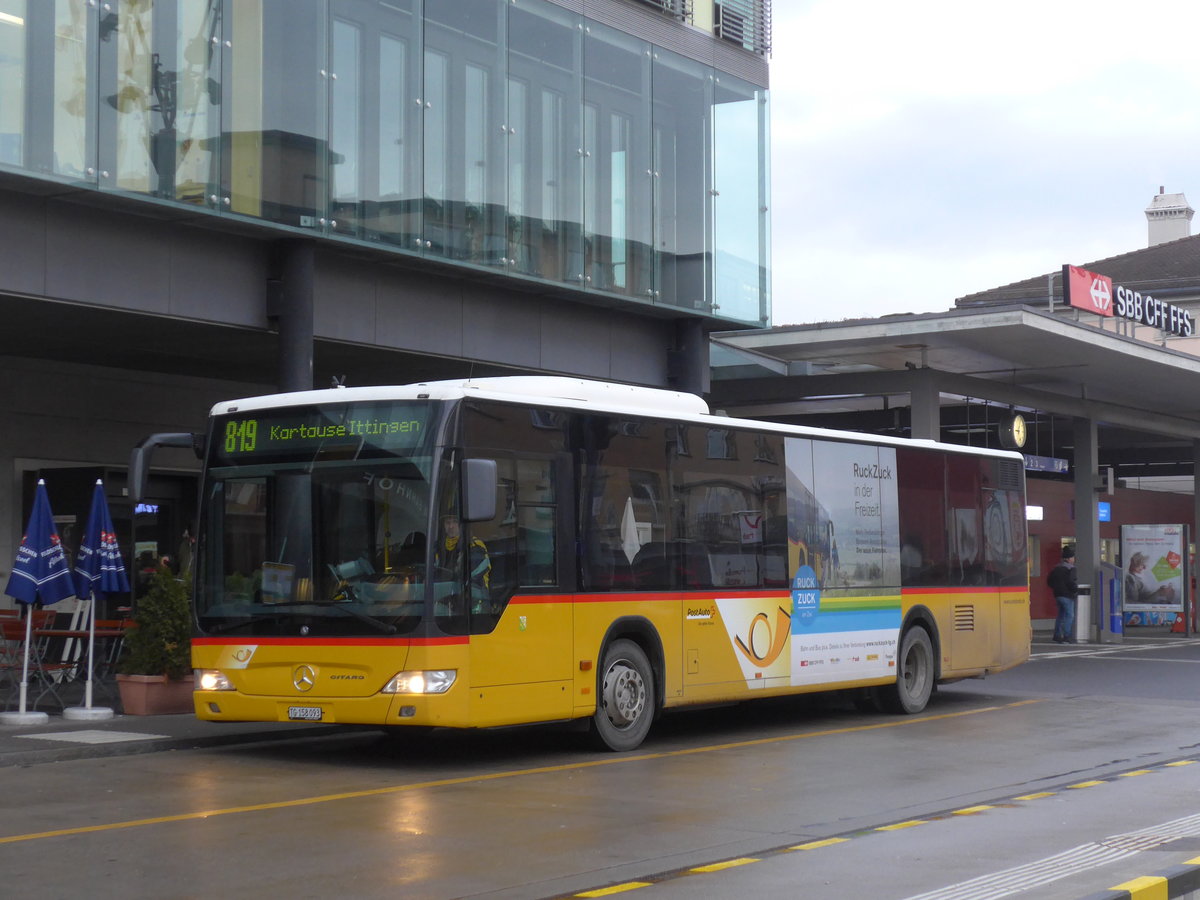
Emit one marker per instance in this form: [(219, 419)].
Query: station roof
[(856, 373)]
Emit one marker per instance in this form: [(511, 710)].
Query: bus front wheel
[(625, 701), (914, 680)]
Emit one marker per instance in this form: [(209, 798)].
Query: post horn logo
[(762, 636)]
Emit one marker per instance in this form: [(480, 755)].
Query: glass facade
[(520, 138)]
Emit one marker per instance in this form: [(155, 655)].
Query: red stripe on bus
[(331, 641), (970, 589)]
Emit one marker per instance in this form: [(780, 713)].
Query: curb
[(37, 755), (1175, 883)]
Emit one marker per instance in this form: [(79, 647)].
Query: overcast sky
[(934, 148)]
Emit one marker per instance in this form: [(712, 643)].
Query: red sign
[(1088, 291)]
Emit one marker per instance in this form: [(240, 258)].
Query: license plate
[(305, 713)]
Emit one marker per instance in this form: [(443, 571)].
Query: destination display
[(358, 430)]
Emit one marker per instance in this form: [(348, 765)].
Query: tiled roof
[(1165, 269)]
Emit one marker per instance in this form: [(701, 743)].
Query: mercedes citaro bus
[(499, 551)]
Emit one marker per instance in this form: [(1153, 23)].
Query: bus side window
[(536, 521)]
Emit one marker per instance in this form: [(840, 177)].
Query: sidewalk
[(67, 739)]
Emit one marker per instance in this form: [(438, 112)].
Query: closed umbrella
[(40, 574), (99, 571)]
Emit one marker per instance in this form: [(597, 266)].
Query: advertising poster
[(1152, 578), (844, 547)]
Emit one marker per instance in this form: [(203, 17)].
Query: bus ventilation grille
[(1009, 475), (964, 618)]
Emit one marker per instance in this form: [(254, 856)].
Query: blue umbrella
[(41, 572), (99, 569)]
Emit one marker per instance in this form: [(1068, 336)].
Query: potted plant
[(155, 668)]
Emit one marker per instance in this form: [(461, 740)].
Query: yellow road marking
[(615, 889), (1134, 773), (1084, 784), (495, 776), (1038, 796), (815, 845), (1182, 762), (1148, 887), (727, 864), (971, 810), (912, 823)]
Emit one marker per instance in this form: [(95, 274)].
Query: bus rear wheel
[(914, 680), (625, 697)]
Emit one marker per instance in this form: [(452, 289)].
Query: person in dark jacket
[(465, 557), (1065, 585)]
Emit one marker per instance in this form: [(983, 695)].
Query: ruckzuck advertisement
[(845, 543)]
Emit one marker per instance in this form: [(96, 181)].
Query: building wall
[(1057, 499), (62, 415)]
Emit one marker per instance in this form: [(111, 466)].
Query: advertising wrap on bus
[(469, 555)]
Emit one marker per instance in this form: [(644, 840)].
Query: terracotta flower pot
[(154, 695)]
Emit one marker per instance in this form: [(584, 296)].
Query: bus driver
[(453, 556)]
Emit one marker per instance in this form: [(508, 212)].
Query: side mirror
[(139, 459), (479, 489)]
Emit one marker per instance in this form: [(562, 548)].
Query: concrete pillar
[(1087, 524), (292, 313), (925, 406)]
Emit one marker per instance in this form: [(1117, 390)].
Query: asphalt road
[(1070, 774)]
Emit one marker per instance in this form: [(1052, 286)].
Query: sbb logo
[(1101, 293)]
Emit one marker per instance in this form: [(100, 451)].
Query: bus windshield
[(315, 521)]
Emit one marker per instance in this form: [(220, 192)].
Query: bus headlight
[(432, 681), (212, 680)]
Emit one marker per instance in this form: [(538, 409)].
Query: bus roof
[(572, 393)]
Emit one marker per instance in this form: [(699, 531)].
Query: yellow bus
[(500, 551)]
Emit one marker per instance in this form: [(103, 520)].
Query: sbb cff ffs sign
[(1096, 293)]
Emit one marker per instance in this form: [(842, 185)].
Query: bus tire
[(914, 676), (625, 697)]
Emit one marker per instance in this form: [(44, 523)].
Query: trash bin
[(1083, 614)]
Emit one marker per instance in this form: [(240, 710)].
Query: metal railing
[(746, 23)]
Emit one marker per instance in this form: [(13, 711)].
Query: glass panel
[(12, 76), (72, 128), (159, 94), (921, 477), (274, 112), (396, 217), (465, 191), (435, 138), (191, 129), (545, 150), (682, 131), (374, 120), (345, 168), (740, 200), (128, 82), (617, 82), (731, 528), (345, 129)]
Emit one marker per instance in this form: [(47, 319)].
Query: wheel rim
[(624, 694), (915, 670)]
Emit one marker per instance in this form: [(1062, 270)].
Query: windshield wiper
[(377, 624)]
